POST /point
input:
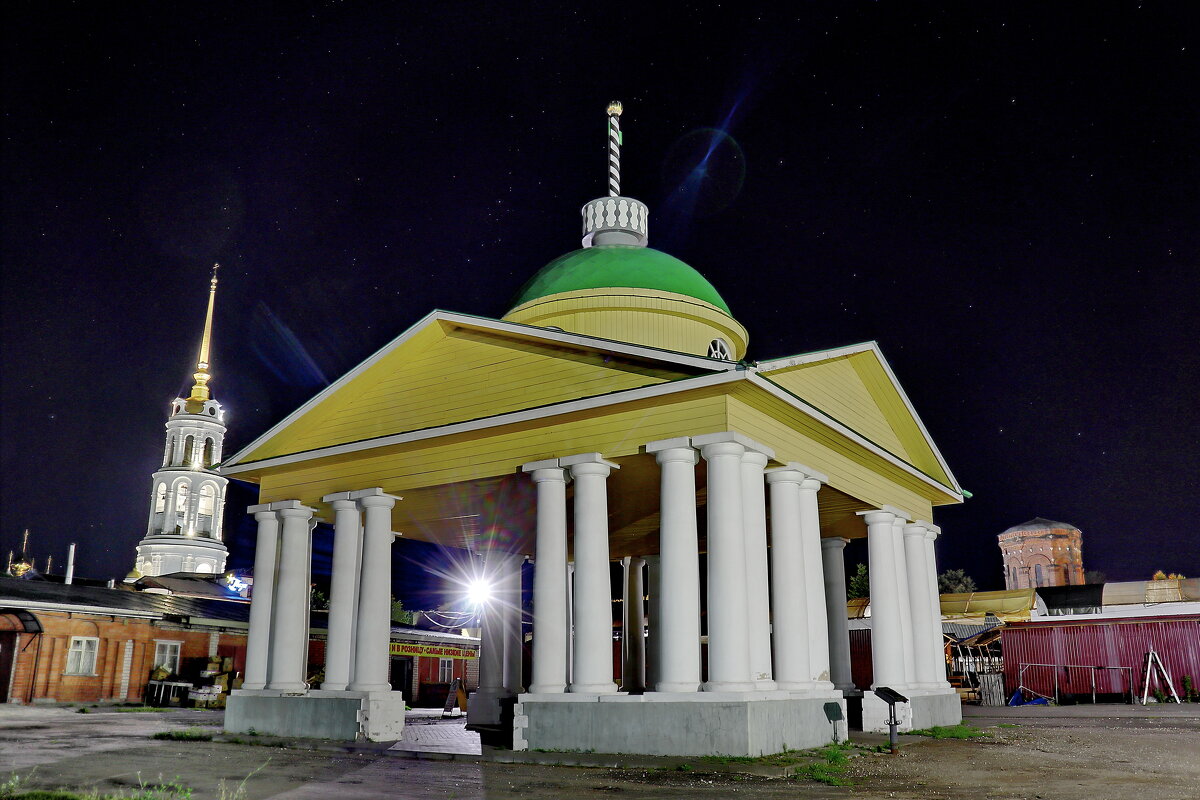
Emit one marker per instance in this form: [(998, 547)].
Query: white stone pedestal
[(317, 714), (752, 723), (925, 709)]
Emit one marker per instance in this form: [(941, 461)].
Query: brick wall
[(39, 668)]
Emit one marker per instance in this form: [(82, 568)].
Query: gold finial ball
[(614, 109)]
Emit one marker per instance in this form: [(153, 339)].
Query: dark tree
[(955, 581), (859, 584)]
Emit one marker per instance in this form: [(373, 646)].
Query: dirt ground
[(1072, 753)]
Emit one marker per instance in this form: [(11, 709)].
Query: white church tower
[(187, 495)]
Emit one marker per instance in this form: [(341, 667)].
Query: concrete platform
[(317, 714), (695, 724), (925, 709)]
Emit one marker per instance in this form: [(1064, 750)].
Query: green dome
[(619, 266)]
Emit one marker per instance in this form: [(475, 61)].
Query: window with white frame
[(81, 657), (445, 670), (166, 654)]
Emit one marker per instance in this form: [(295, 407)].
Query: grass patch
[(831, 771), (138, 709), (1008, 725), (959, 731), (186, 735)]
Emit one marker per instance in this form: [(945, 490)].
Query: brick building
[(87, 644), (1042, 552)]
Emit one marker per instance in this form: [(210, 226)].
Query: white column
[(633, 639), (906, 623), (788, 598), (676, 633), (728, 619), (550, 592), (814, 581), (918, 599), (937, 643), (514, 645), (653, 610), (834, 566), (343, 590), (592, 667), (570, 621), (887, 643), (374, 630), (758, 597), (258, 639), (289, 645), (484, 705)]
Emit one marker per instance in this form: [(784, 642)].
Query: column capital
[(365, 494), (916, 530), (834, 543), (262, 514), (678, 449), (755, 458), (877, 517), (378, 501), (796, 472), (587, 458), (629, 560), (932, 530), (545, 463), (296, 512), (668, 444), (732, 437), (342, 504), (551, 474), (901, 514)]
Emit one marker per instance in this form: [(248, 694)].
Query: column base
[(696, 724), (369, 687), (254, 687), (548, 688), (728, 686), (765, 685), (805, 687), (345, 716), (593, 688), (677, 687), (288, 688), (330, 687), (923, 710), (483, 706)]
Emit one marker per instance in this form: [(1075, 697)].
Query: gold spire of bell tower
[(200, 389)]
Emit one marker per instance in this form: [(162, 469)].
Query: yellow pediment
[(856, 387), (453, 368)]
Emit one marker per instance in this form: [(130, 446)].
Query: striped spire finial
[(614, 149)]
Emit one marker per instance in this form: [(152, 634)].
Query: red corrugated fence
[(1099, 643)]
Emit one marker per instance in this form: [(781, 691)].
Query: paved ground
[(1074, 753)]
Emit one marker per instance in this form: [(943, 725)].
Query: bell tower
[(187, 494)]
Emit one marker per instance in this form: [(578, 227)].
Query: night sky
[(1004, 196)]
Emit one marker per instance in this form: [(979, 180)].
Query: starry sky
[(1004, 196)]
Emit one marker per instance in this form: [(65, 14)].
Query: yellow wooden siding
[(851, 469), (614, 431), (446, 376), (655, 319), (877, 381), (836, 388)]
